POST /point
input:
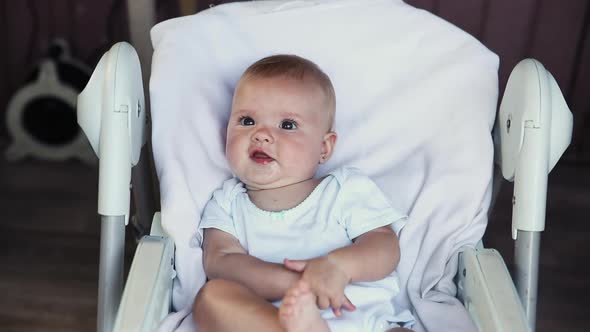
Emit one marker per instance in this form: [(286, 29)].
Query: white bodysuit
[(343, 206)]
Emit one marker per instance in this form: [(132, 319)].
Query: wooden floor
[(50, 244)]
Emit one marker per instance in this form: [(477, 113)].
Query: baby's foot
[(299, 312)]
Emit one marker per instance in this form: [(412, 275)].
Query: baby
[(281, 247)]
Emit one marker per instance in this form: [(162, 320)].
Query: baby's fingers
[(336, 305), (297, 266), (348, 305), (323, 302), (340, 303), (337, 312)]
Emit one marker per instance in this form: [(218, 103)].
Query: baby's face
[(277, 132)]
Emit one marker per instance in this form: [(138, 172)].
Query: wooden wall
[(552, 31), (557, 33), (28, 27)]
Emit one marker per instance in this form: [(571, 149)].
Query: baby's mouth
[(260, 157)]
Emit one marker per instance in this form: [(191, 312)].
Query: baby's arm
[(372, 256), (225, 258)]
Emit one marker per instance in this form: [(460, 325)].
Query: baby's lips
[(260, 155)]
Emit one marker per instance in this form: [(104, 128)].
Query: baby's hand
[(326, 280)]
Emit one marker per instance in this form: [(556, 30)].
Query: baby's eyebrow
[(291, 115), (243, 111)]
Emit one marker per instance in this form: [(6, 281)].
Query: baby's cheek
[(298, 149), (232, 151), (304, 154)]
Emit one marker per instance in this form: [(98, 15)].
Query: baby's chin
[(261, 179), (270, 179), (252, 186), (258, 182), (282, 184)]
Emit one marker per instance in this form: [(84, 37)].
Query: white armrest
[(488, 293), (532, 131), (148, 292)]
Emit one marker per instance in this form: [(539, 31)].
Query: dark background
[(48, 221)]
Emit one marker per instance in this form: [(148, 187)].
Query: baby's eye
[(246, 121), (288, 125)]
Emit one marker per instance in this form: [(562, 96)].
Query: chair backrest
[(416, 101)]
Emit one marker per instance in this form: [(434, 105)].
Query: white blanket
[(416, 99)]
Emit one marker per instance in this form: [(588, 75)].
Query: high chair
[(416, 105)]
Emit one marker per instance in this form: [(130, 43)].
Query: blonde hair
[(294, 67)]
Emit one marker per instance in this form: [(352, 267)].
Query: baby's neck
[(283, 198)]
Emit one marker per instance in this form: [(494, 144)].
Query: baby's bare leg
[(226, 306), (299, 312)]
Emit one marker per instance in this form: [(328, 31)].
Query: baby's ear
[(328, 144)]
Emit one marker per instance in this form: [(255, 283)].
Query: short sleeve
[(217, 213), (364, 206)]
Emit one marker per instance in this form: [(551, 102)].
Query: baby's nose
[(263, 135)]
